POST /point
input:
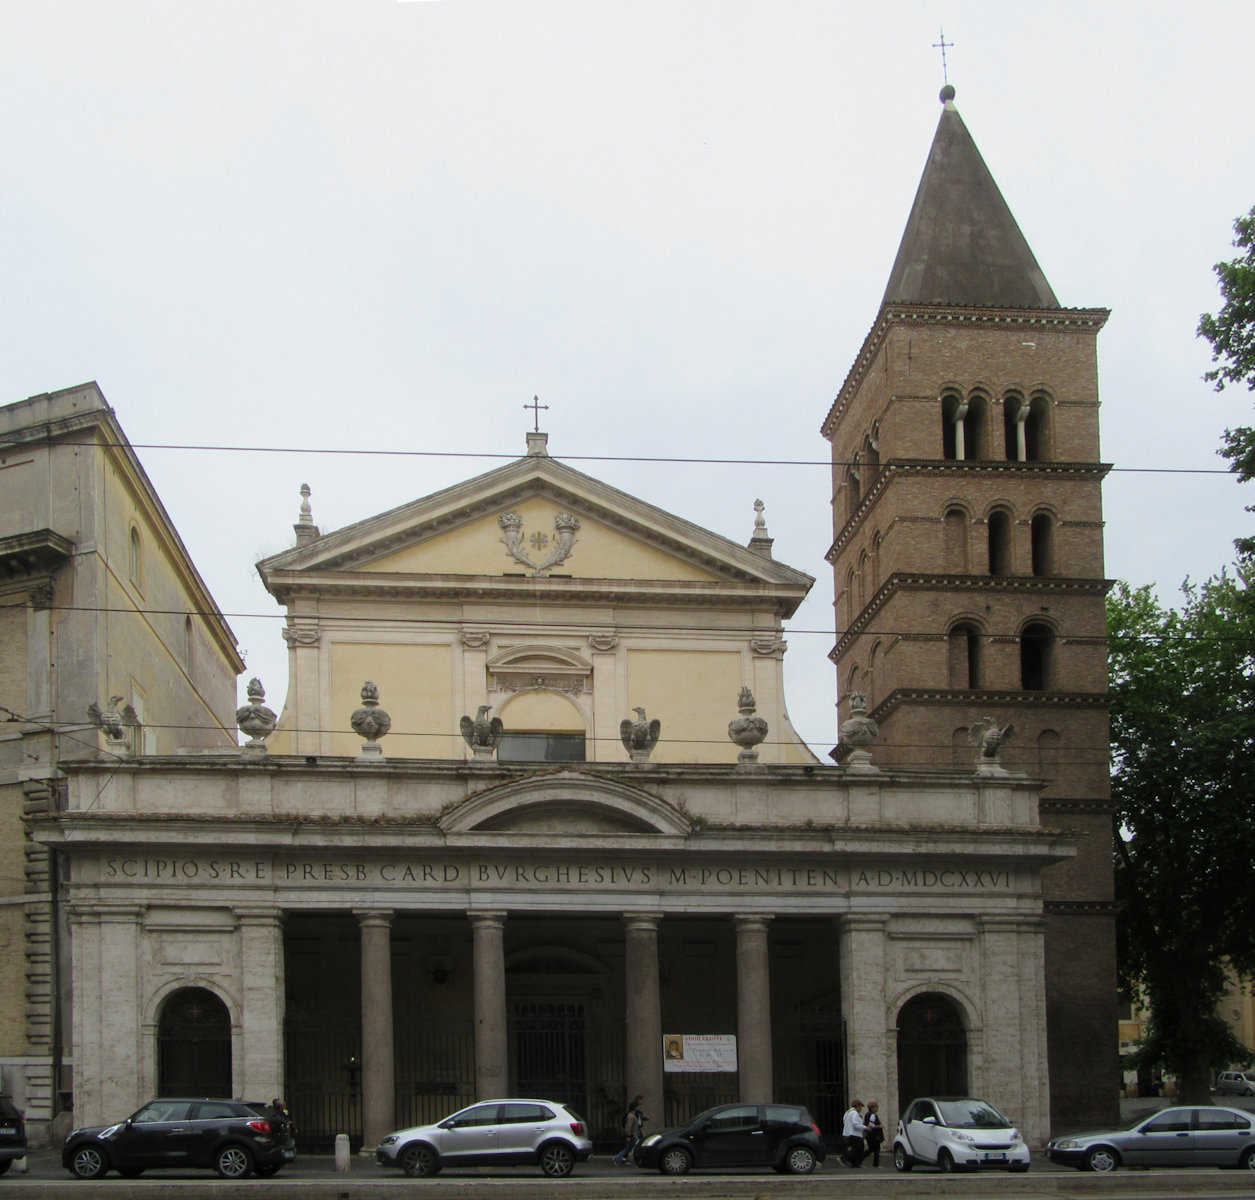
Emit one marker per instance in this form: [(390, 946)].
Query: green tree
[(1183, 782), (1231, 333)]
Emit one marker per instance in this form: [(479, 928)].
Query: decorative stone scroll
[(371, 722)]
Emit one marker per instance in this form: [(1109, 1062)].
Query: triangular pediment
[(534, 518)]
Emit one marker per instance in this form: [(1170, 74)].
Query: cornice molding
[(963, 468), (959, 698)]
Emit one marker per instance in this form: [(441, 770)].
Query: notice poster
[(698, 1052)]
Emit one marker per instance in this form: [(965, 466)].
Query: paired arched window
[(963, 432), (1000, 542), (1026, 428), (1037, 647)]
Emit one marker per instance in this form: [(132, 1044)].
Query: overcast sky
[(385, 226)]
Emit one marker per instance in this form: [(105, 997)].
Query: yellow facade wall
[(540, 712), (693, 693), (415, 689), (477, 549)]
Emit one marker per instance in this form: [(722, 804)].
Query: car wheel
[(675, 1161), (800, 1160), (1101, 1158), (945, 1162), (88, 1162), (1247, 1161), (901, 1159), (418, 1161), (233, 1162), (556, 1160)]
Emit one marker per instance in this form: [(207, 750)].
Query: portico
[(384, 970)]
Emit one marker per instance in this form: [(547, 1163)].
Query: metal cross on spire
[(536, 406), (943, 46)]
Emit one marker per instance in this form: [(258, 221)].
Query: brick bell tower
[(968, 559)]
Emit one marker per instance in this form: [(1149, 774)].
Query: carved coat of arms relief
[(555, 550)]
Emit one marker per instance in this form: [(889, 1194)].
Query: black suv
[(780, 1136), (12, 1134), (234, 1137)]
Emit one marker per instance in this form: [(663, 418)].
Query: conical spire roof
[(962, 245)]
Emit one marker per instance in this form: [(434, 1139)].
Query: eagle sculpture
[(639, 734), (113, 719), (988, 738), (482, 731)]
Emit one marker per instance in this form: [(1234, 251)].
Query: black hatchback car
[(780, 1136), (234, 1137), (12, 1134)]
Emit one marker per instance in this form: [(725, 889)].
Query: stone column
[(260, 1069), (871, 1057), (753, 1009), (492, 1074), (643, 1006), (378, 1084)]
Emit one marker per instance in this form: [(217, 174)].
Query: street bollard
[(342, 1152)]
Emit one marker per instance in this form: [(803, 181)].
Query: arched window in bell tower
[(953, 410), (1014, 414), (975, 435), (965, 656), (1037, 430), (1043, 541), (1037, 645), (954, 540), (1000, 542)]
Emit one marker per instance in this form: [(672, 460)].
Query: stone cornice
[(40, 552), (902, 581), (959, 698), (288, 587), (959, 469), (1063, 807), (1080, 908), (1087, 320)]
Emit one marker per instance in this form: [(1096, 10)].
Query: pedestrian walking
[(633, 1127), (873, 1131), (852, 1131)]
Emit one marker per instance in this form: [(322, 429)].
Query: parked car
[(1173, 1137), (12, 1134), (236, 1138), (957, 1133), (781, 1136), (492, 1133), (1237, 1083)]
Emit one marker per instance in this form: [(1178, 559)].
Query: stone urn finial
[(857, 734), (747, 731), (371, 722), (255, 719)]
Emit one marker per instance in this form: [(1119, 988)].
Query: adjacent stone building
[(534, 819), (101, 608)]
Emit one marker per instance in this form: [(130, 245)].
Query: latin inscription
[(551, 875)]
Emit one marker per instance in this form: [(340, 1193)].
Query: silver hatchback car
[(492, 1133), (1238, 1083)]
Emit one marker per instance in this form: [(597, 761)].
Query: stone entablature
[(682, 801)]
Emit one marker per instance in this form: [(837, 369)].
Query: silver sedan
[(1173, 1137)]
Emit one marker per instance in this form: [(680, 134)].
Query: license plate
[(7, 1129), (991, 1157), (289, 1155)]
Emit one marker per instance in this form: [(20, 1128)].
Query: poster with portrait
[(698, 1052)]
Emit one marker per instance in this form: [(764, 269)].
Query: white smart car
[(957, 1134)]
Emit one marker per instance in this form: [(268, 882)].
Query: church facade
[(534, 819)]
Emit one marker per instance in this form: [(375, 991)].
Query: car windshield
[(971, 1114)]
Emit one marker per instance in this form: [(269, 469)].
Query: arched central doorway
[(932, 1049), (194, 1045)]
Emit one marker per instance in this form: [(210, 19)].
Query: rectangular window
[(541, 747)]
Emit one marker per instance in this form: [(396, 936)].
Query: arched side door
[(194, 1045)]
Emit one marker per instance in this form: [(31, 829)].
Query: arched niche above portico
[(569, 802)]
